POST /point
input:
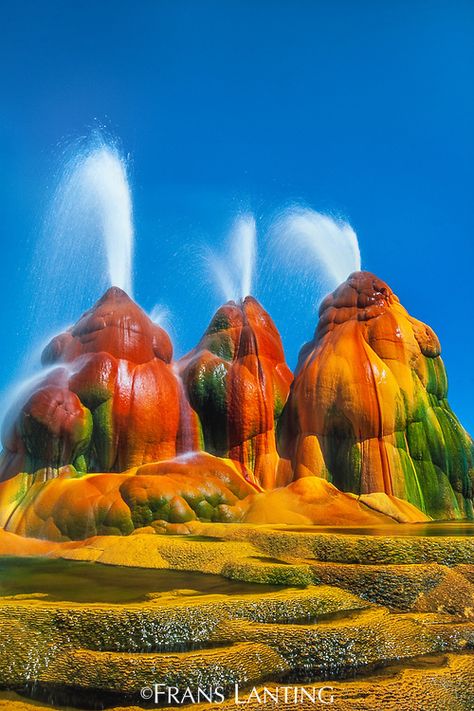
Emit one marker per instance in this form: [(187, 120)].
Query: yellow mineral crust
[(386, 619)]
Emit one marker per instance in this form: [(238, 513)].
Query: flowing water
[(321, 251), (161, 315), (185, 414), (331, 244)]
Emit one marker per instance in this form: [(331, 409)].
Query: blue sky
[(362, 109)]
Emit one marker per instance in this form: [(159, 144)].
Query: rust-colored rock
[(368, 409), (113, 401), (237, 382), (106, 439)]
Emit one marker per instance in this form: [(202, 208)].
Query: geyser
[(368, 408), (234, 271), (366, 412), (86, 247), (101, 187), (321, 248), (237, 382), (93, 202), (87, 240)]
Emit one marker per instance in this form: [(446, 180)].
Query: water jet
[(235, 270), (316, 250), (86, 243)]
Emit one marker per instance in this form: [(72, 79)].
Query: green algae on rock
[(368, 410)]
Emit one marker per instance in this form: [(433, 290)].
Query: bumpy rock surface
[(175, 492), (410, 650), (109, 400), (237, 382), (368, 408), (71, 506)]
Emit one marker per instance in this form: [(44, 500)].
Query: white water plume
[(18, 393), (321, 250), (234, 271), (92, 214), (161, 316), (86, 246), (87, 241), (306, 255), (318, 242), (99, 186)]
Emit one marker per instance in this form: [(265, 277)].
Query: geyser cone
[(115, 325), (368, 408), (237, 382), (112, 403)]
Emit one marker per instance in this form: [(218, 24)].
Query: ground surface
[(386, 619)]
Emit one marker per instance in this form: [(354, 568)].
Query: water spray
[(234, 271)]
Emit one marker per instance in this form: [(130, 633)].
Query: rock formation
[(109, 398), (107, 440), (165, 496), (368, 409), (237, 382), (75, 507)]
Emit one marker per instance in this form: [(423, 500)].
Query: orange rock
[(367, 413), (368, 409), (115, 325), (168, 495), (312, 500), (113, 402), (237, 382), (72, 507)]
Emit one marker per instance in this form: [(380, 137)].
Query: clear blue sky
[(362, 108)]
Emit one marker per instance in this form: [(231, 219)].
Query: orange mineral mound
[(312, 500), (112, 402), (237, 382), (194, 487), (107, 441), (74, 507), (368, 410)]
